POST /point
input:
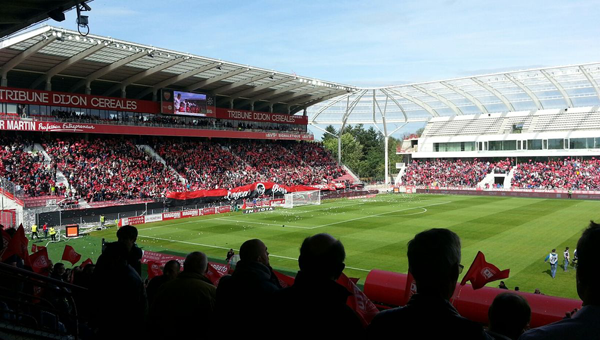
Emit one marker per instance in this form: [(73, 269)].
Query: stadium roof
[(63, 60), (560, 87), (17, 15)]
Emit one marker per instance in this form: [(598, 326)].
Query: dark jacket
[(117, 288), (184, 307), (316, 308), (246, 294), (424, 317)]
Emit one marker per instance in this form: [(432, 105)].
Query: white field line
[(227, 248), (327, 208), (381, 214), (170, 224), (260, 223)]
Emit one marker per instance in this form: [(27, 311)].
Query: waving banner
[(247, 191)]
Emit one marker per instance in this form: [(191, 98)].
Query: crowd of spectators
[(101, 169), (212, 165), (73, 115), (568, 173), (110, 299), (111, 169), (447, 173), (27, 169)]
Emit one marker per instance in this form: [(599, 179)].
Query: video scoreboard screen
[(187, 103)]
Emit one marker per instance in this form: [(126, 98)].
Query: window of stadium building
[(556, 144), (495, 145), (457, 146), (534, 144), (509, 145), (582, 143)]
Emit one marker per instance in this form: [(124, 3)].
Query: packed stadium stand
[(26, 168), (110, 169)]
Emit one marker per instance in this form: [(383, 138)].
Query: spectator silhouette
[(434, 261), (246, 291), (509, 316), (184, 307), (315, 306), (118, 291), (584, 323), (170, 272), (127, 235)]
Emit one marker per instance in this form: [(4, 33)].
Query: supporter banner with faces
[(247, 191)]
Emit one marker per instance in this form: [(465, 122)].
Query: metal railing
[(28, 312)]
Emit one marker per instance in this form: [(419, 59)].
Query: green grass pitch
[(515, 233)]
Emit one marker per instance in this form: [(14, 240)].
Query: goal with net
[(300, 198)]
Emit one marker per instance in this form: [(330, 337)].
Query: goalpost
[(300, 198)]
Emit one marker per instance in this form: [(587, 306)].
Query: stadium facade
[(544, 112)]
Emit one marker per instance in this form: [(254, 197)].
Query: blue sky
[(362, 43)]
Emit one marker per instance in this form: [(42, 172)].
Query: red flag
[(33, 248), (411, 287), (69, 254), (154, 269), (86, 262), (244, 205), (37, 248), (40, 263), (284, 280), (216, 271), (358, 301), (18, 246), (482, 272)]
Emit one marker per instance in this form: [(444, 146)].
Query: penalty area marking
[(384, 213), (227, 248)]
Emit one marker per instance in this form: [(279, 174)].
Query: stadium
[(99, 134)]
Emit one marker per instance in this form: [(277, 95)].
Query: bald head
[(195, 262), (254, 251), (322, 255)]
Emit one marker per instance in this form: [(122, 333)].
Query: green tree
[(363, 150), (352, 151), (331, 135)]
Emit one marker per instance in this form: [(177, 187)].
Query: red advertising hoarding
[(33, 125), (51, 98), (171, 215), (190, 213), (262, 117), (132, 220), (208, 211)]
